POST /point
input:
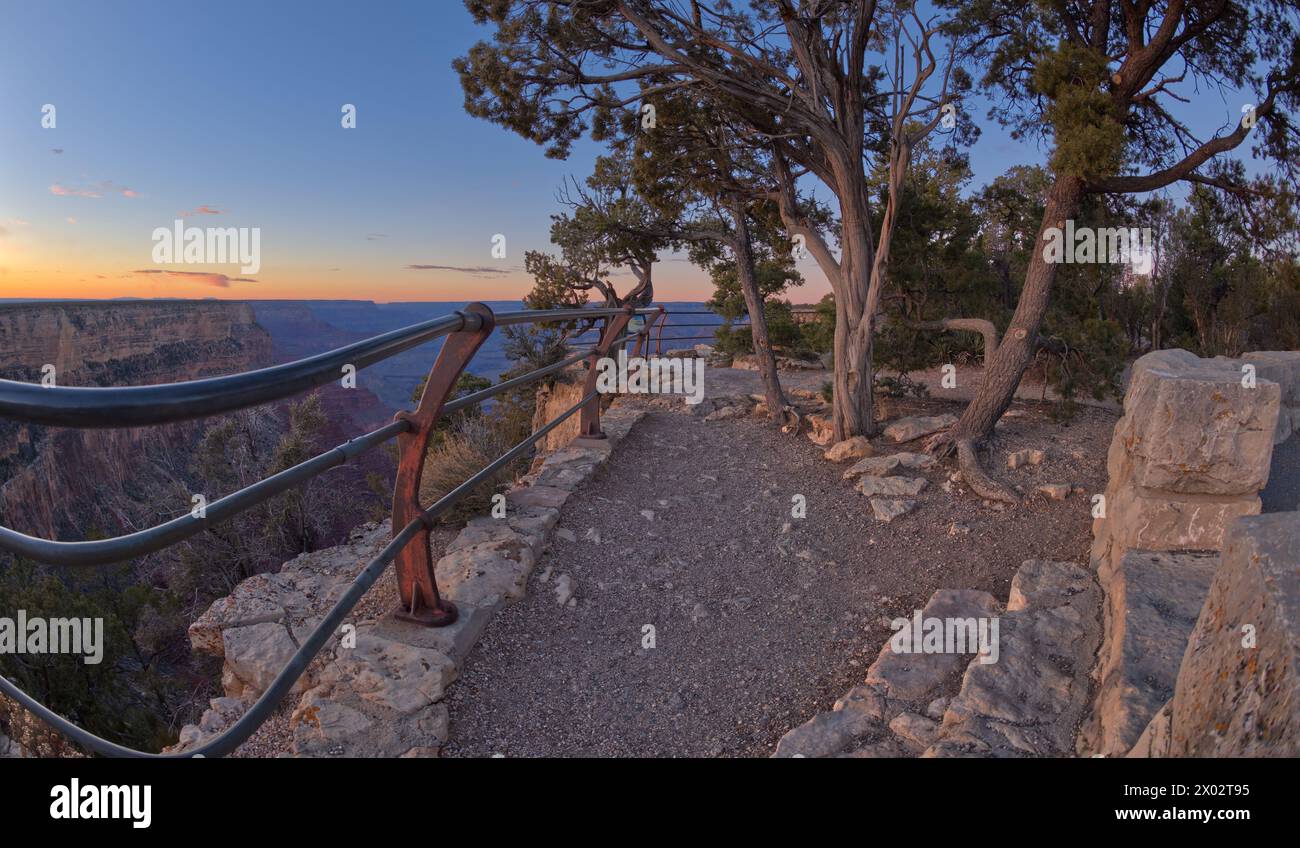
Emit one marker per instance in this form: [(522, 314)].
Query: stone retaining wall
[(1186, 465)]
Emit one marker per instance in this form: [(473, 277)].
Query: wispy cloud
[(202, 210), (56, 150), (95, 190), (5, 226), (375, 236), (205, 278), (480, 270)]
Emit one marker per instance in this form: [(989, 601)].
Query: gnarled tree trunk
[(743, 252), (1007, 365)]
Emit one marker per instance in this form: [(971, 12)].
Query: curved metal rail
[(409, 547)]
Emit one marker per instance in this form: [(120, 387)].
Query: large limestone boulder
[(1188, 458), (883, 466), (1190, 426), (1238, 691)]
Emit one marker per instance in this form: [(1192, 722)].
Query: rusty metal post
[(643, 338), (589, 426), (416, 585)]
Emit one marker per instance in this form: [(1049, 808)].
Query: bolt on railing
[(409, 547)]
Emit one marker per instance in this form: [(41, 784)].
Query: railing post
[(643, 337), (589, 426), (659, 336), (416, 584)]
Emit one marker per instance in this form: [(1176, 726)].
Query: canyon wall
[(60, 483)]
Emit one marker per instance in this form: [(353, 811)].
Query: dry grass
[(472, 443)]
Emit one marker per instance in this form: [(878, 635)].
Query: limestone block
[(1160, 521), (1193, 428), (1153, 602)]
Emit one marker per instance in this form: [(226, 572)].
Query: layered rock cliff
[(60, 483)]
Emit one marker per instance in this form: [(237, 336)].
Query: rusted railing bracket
[(416, 583)]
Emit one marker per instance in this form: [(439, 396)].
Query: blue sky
[(169, 108)]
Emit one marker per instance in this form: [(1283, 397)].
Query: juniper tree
[(1097, 80), (799, 75)]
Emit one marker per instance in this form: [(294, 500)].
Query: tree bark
[(1005, 367), (853, 404), (743, 252)]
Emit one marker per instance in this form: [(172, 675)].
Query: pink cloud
[(92, 191), (202, 210), (63, 191), (205, 278)]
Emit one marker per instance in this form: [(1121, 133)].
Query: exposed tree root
[(792, 420), (975, 476), (940, 444)]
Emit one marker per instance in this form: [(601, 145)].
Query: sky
[(229, 115)]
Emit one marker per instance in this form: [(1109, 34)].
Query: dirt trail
[(758, 625)]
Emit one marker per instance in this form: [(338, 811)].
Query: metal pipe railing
[(138, 406), (409, 547)]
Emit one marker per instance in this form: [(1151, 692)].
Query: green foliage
[(1089, 139), (127, 695), (782, 331)]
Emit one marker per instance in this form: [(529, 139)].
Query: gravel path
[(757, 626)]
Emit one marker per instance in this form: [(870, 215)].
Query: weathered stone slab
[(545, 497), (483, 577), (914, 427), (455, 640), (883, 466), (255, 655), (1166, 522), (387, 673), (827, 734), (1238, 691), (1153, 601), (893, 487), (919, 677), (887, 509)]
